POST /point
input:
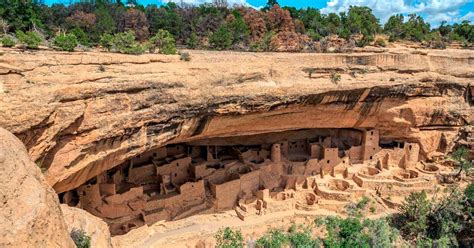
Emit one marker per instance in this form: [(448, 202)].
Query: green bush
[(272, 239), (228, 238), (302, 237), (164, 41), (193, 41), (106, 41), (80, 238), (32, 40), (125, 43), (469, 192), (7, 41), (221, 39), (354, 232), (66, 42), (82, 37), (414, 212)]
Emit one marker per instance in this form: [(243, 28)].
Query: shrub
[(80, 238), (32, 40), (354, 232), (459, 156), (193, 41), (65, 42), (7, 41), (82, 37), (125, 43), (380, 42), (469, 192), (272, 239), (221, 39), (414, 211), (228, 238), (164, 41), (185, 56), (302, 237), (106, 41), (335, 77)]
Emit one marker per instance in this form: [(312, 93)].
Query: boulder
[(94, 227), (29, 208)]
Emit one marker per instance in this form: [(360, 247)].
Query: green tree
[(414, 211), (415, 28), (459, 156), (65, 42), (228, 238), (394, 27), (82, 37), (164, 41), (361, 20), (221, 39), (20, 14)]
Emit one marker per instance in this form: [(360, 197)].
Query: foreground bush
[(106, 41), (435, 222), (80, 238), (228, 238), (355, 232), (164, 42), (126, 43), (7, 41), (66, 42), (30, 39)]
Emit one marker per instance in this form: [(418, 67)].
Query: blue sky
[(434, 11)]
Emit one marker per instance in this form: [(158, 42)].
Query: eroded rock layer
[(84, 113)]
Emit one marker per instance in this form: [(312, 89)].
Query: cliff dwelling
[(212, 175)]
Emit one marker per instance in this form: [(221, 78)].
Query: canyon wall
[(80, 114)]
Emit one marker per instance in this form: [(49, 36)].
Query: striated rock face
[(94, 227), (83, 113), (29, 209)]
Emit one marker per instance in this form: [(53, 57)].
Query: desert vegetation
[(446, 220), (209, 26)]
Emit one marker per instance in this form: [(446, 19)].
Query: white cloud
[(434, 11), (468, 16)]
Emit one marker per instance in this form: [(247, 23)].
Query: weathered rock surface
[(30, 215), (82, 113), (94, 227)]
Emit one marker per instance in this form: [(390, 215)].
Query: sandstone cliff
[(29, 209), (82, 113)]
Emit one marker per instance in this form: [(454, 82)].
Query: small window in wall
[(328, 161), (371, 132), (370, 157), (374, 148), (343, 161), (177, 164), (409, 147), (192, 185), (175, 174)]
